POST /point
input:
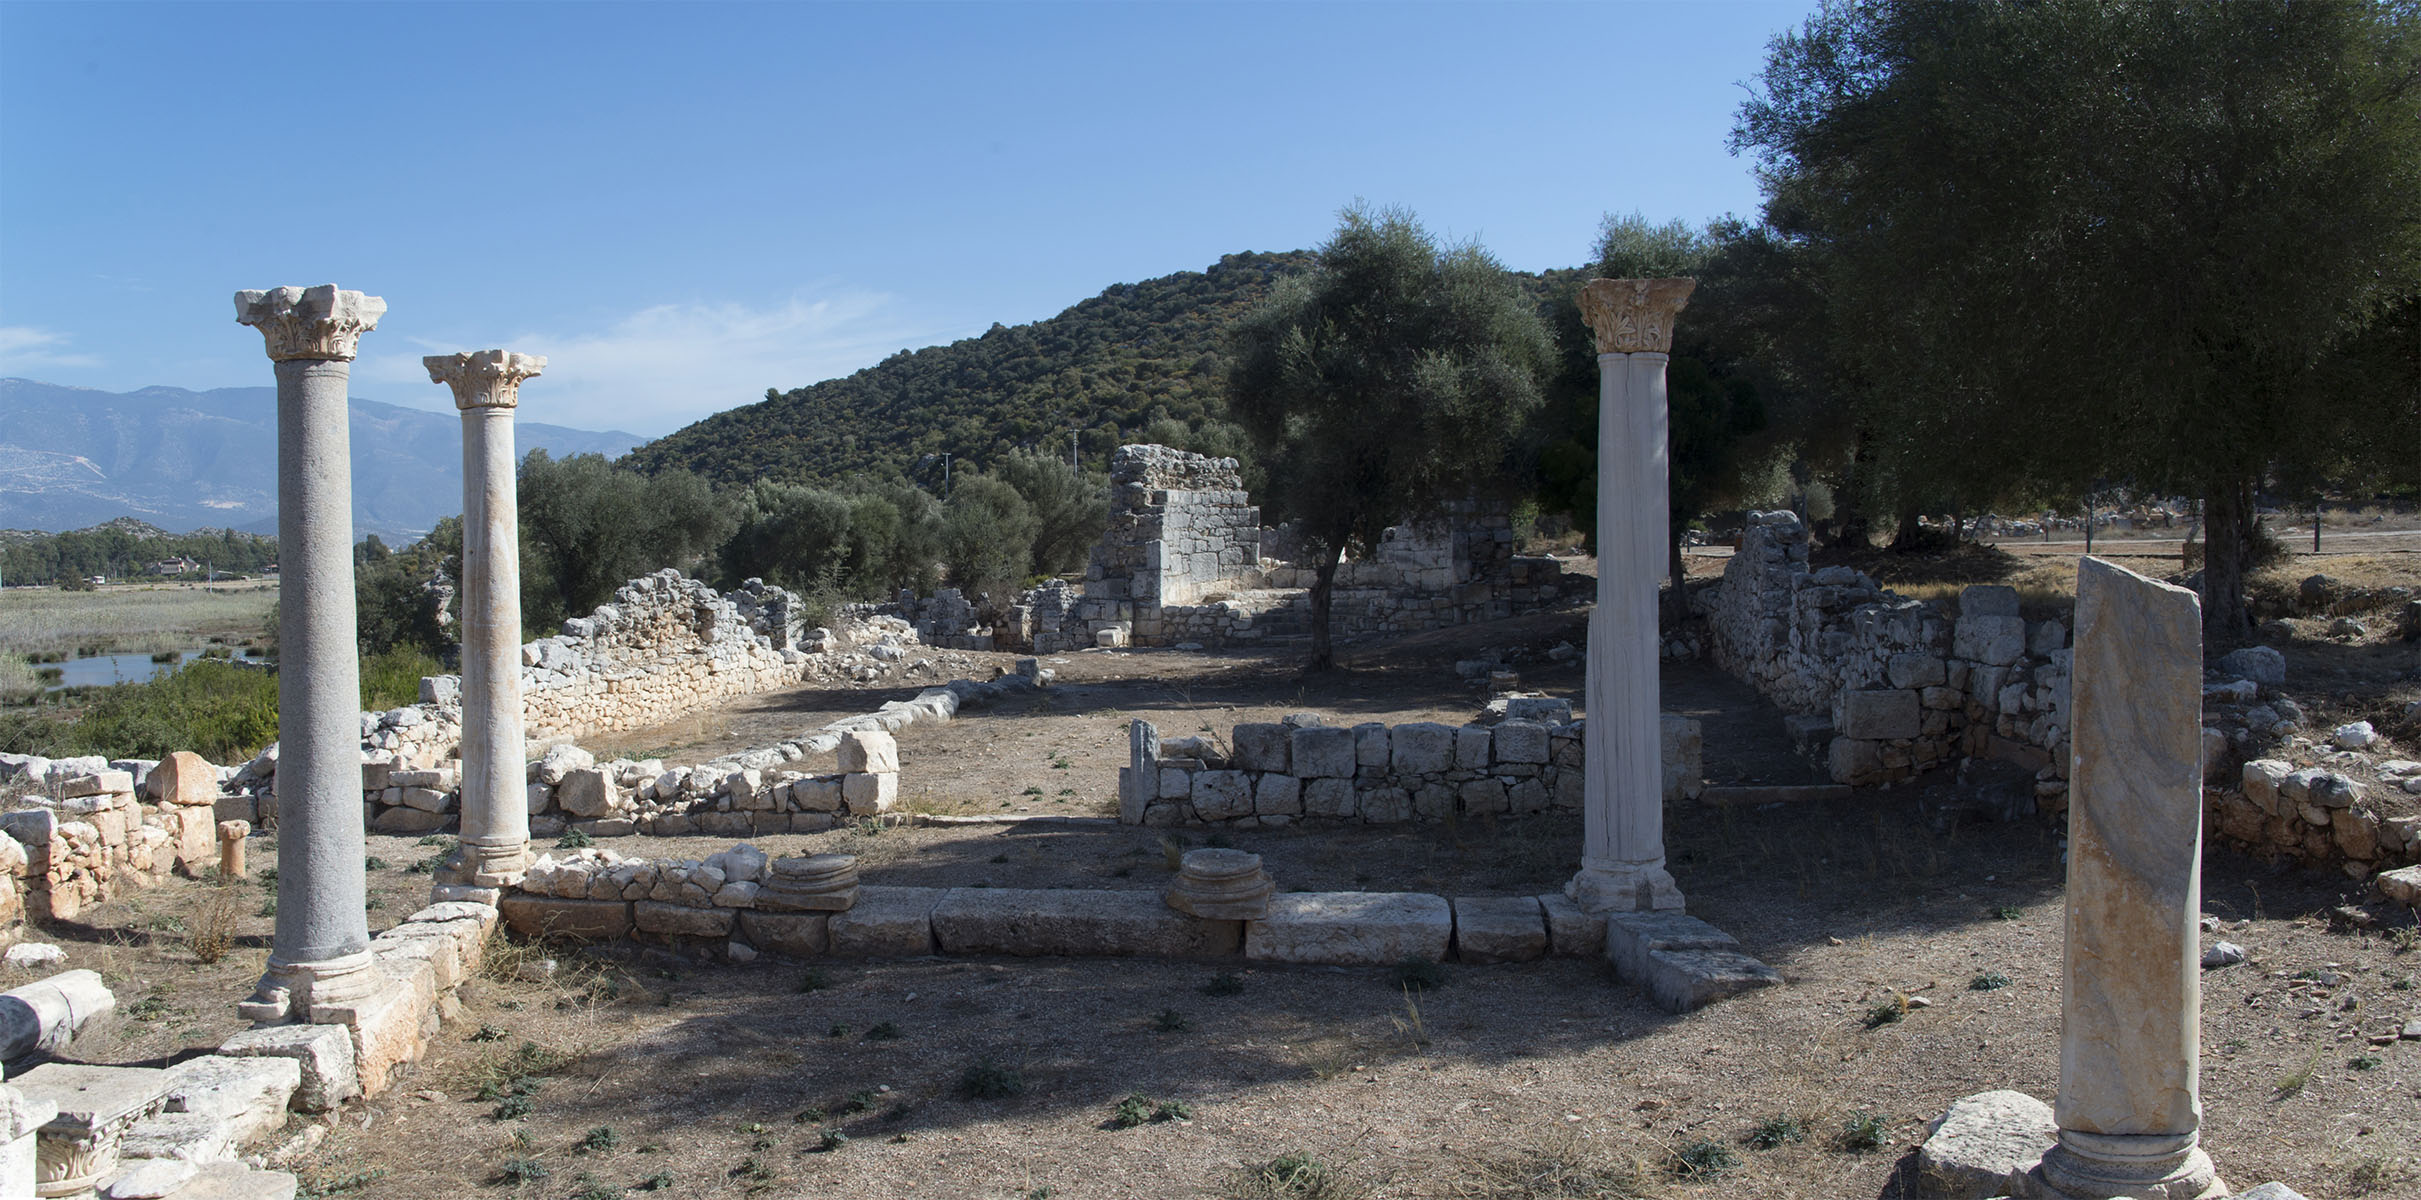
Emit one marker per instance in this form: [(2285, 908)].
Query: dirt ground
[(649, 1074)]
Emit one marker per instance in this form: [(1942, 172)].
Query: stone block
[(869, 751), (1853, 761), (1520, 741), (1971, 1152), (235, 1180), (1329, 798), (1987, 600), (426, 799), (2261, 664), (1370, 744), (541, 916), (1915, 671), (1483, 796), (185, 779), (1222, 795), (680, 920), (816, 793), (388, 1027), (1421, 748), (1682, 981), (1498, 929), (1324, 753), (1263, 746), (587, 792), (177, 1137), (1572, 931), (1881, 716), (246, 1093), (1063, 921), (795, 934), (1351, 928), (1278, 795), (886, 922), (323, 1054), (865, 794), (401, 820), (1472, 746), (1632, 936), (1994, 641)]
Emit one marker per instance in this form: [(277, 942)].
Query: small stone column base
[(288, 991), (482, 864), (2102, 1166), (1606, 885)]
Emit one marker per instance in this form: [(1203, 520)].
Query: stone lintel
[(484, 378), (309, 323), (1634, 316)]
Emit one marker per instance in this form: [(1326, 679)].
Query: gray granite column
[(495, 844), (2130, 1108), (320, 954), (1622, 858)]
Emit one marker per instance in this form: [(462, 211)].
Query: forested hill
[(1112, 366)]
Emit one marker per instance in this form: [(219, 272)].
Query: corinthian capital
[(319, 322), (484, 378), (1634, 316)]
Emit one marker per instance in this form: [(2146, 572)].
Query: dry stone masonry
[(1270, 775)]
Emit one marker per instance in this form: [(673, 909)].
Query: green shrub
[(1704, 1159), (988, 1080), (391, 678)]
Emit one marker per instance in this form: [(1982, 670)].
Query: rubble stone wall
[(88, 830), (1890, 686), (1270, 775)]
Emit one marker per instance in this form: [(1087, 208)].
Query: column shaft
[(1622, 860), (2129, 1108), (495, 811), (320, 884)]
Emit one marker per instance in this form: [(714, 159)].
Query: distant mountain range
[(72, 457)]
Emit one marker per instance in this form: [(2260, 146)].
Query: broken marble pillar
[(44, 1015), (1622, 865), (2130, 1109), (1221, 885)]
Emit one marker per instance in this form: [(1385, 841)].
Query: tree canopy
[(2072, 241), (1390, 380)]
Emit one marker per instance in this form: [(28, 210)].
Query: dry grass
[(131, 620), (211, 931)]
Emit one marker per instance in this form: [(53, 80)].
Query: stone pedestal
[(495, 846), (1222, 885), (2130, 1108), (815, 883), (1622, 859), (320, 952), (20, 1121), (94, 1106)]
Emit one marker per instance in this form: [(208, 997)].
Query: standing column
[(321, 952), (2130, 1106), (1622, 858), (495, 844)]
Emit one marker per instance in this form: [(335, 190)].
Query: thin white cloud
[(25, 349), (663, 367)]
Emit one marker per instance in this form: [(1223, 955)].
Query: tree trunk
[(1323, 582), (1911, 531), (1852, 526), (2227, 546)]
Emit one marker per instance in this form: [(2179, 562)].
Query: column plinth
[(320, 953), (1622, 861), (494, 849)]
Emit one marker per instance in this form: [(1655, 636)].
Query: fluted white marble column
[(2130, 1103), (1622, 858), (321, 951), (495, 842)]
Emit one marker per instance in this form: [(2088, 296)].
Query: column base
[(1605, 885), (288, 991), (2104, 1166), (485, 864)]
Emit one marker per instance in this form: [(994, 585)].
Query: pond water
[(102, 670)]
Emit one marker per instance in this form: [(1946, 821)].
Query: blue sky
[(685, 204)]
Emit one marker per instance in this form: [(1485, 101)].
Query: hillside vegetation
[(1139, 361)]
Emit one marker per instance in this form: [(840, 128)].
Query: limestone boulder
[(586, 792), (1973, 1149), (184, 778)]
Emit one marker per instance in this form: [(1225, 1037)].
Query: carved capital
[(484, 378), (320, 322), (1634, 316)]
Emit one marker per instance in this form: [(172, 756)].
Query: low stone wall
[(1276, 774), (2315, 814), (1887, 685), (86, 831)]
